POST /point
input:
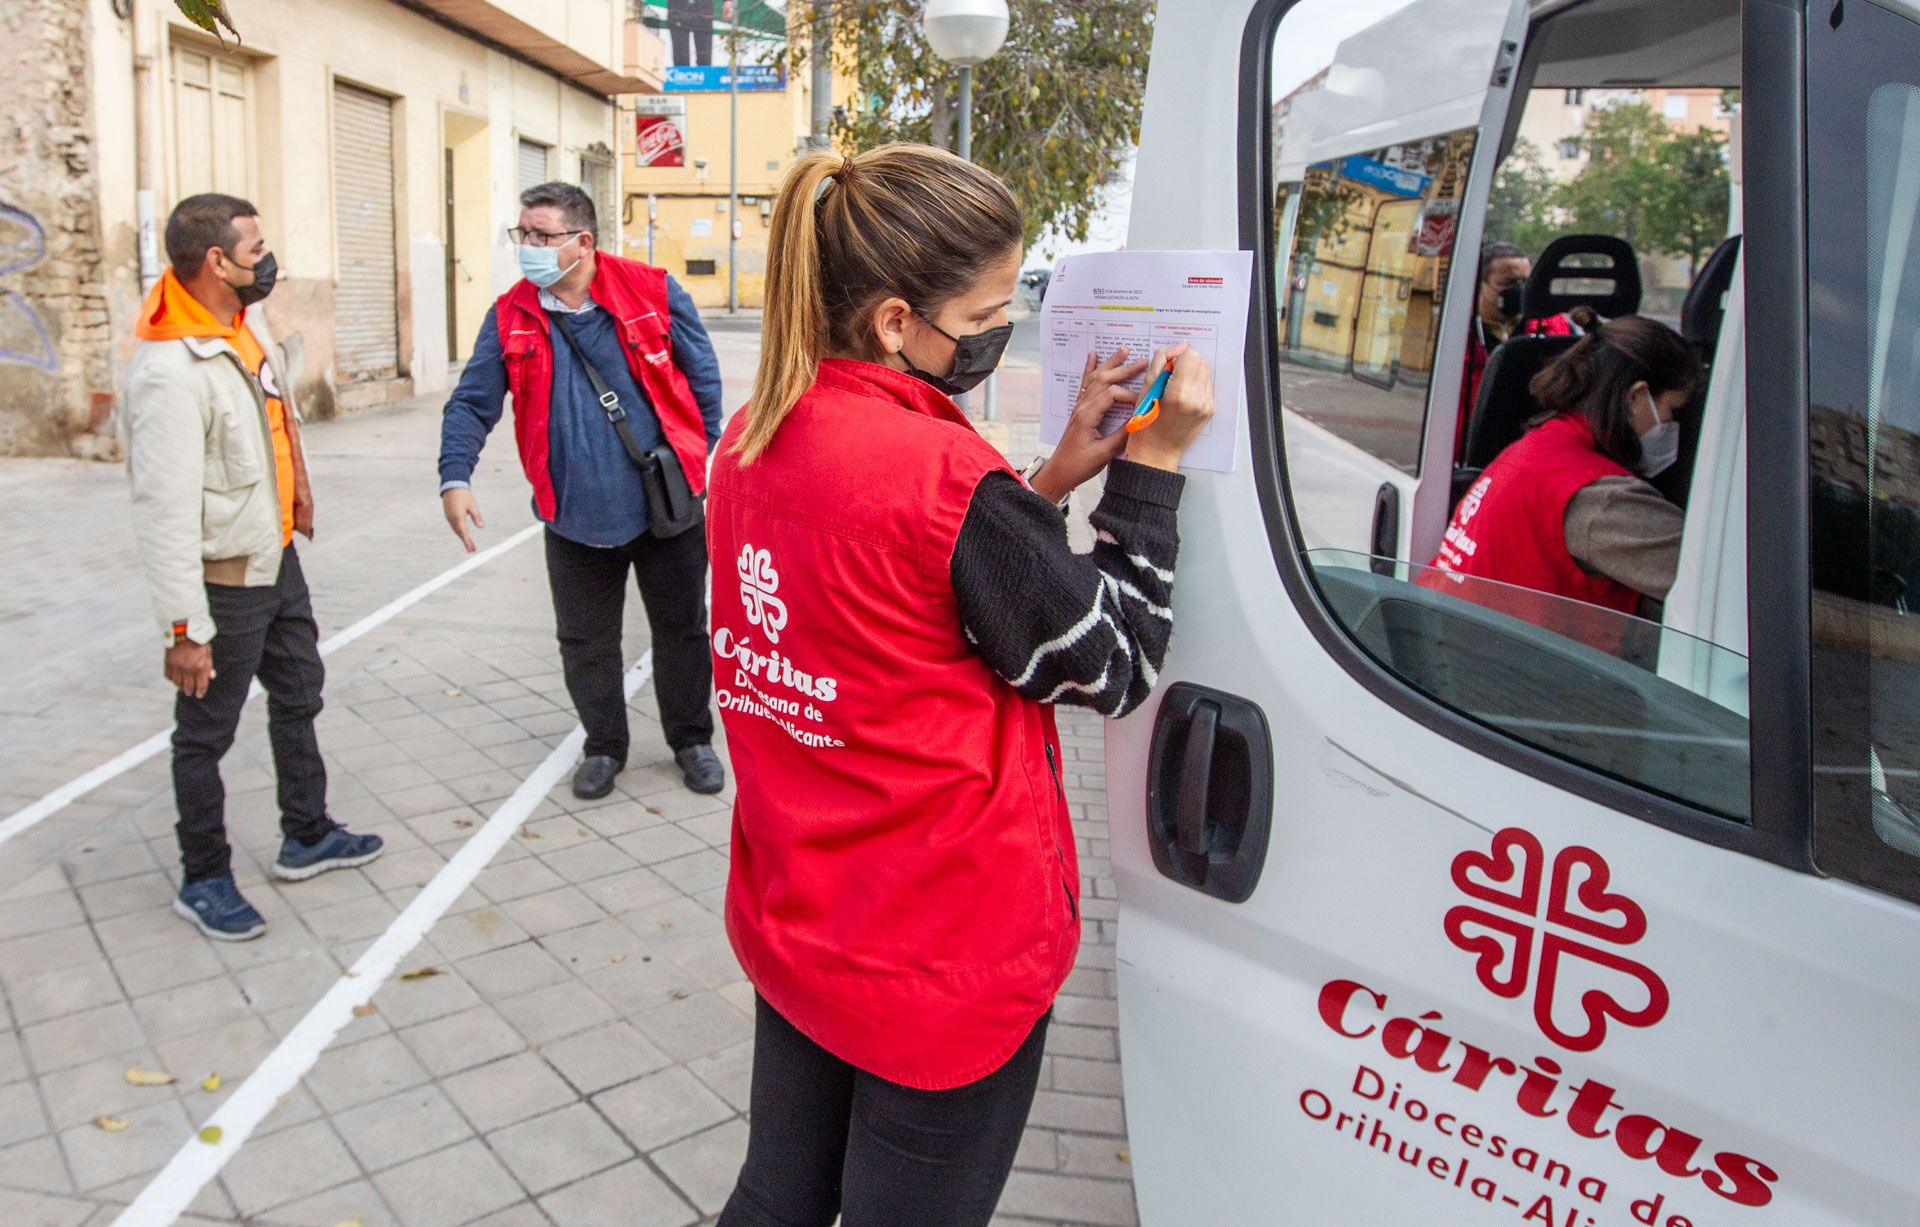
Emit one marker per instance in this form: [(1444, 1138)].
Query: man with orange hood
[(219, 488)]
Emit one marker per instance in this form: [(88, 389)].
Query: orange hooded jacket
[(171, 313)]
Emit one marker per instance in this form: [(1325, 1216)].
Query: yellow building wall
[(772, 127)]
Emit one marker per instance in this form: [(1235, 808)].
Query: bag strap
[(609, 399)]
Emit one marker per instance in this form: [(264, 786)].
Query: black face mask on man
[(1513, 300), (974, 358), (265, 272)]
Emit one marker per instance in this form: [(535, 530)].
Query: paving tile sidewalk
[(578, 1053)]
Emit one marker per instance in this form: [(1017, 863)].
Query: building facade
[(770, 117), (384, 141)]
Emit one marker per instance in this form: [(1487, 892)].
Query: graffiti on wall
[(23, 335)]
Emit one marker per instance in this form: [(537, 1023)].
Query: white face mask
[(1660, 446)]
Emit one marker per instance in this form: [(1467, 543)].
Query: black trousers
[(589, 602), (267, 633), (691, 19), (827, 1139)]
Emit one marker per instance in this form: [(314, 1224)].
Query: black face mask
[(1512, 300), (265, 272), (974, 358)]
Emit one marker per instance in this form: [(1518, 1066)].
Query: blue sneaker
[(215, 907), (337, 849)]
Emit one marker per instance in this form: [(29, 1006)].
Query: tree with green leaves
[(1055, 113), (209, 15), (1687, 215), (1520, 206), (1614, 192)]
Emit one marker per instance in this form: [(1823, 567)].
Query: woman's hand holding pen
[(1084, 450), (1185, 409)]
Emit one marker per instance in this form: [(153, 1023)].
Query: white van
[(1432, 913)]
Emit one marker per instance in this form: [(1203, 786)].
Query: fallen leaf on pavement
[(619, 958), (1124, 1155), (210, 1135), (364, 1011), (148, 1077), (422, 973), (452, 692), (210, 1083), (354, 1222), (529, 835), (463, 823), (110, 1124)]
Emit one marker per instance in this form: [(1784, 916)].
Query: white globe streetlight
[(964, 33)]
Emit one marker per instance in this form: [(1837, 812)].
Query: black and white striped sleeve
[(1086, 629)]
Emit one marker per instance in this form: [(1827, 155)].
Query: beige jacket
[(200, 457)]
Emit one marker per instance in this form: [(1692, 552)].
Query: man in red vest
[(610, 370)]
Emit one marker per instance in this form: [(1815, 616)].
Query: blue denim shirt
[(598, 499)]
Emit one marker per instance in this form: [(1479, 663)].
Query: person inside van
[(900, 612), (1568, 509), (1504, 269)]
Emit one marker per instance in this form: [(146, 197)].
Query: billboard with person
[(697, 32)]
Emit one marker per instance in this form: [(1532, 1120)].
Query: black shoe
[(701, 768), (595, 777)]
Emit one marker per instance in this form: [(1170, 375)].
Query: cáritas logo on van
[(1543, 940), (1548, 931)]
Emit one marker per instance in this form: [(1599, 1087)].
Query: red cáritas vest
[(1511, 527), (1478, 355), (904, 884), (636, 294)]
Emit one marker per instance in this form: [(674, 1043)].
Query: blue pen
[(1149, 407)]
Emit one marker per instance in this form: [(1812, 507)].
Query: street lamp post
[(965, 33)]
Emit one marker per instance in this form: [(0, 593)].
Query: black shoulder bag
[(672, 506)]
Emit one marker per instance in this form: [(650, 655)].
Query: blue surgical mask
[(541, 265)]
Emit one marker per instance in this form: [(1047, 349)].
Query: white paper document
[(1145, 301)]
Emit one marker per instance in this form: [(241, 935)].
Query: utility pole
[(733, 160)]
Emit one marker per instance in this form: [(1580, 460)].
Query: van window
[(1366, 270), (1614, 634), (1863, 148)]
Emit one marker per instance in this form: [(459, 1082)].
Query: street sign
[(653, 207)]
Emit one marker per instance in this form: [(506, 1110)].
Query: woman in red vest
[(895, 609), (1567, 509)]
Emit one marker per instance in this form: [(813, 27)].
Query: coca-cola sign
[(659, 140)]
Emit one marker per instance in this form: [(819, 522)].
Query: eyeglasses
[(522, 237)]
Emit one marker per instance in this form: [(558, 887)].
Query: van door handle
[(1385, 544), (1210, 791), (1196, 780)]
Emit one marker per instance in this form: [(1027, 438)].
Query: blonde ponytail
[(901, 220), (793, 335)]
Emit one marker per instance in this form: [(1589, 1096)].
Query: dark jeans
[(589, 602), (691, 19), (267, 633), (826, 1138)]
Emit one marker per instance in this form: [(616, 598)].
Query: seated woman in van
[(1567, 509)]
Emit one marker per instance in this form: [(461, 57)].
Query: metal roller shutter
[(532, 164), (365, 332)]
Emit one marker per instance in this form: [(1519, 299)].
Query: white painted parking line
[(196, 1163), (65, 795)]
